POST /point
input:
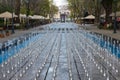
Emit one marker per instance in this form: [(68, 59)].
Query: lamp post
[(27, 12), (84, 14), (115, 9), (12, 17)]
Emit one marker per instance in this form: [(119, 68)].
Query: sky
[(60, 2)]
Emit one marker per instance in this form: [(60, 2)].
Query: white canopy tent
[(36, 17), (22, 15), (90, 17), (7, 15), (48, 17), (82, 18), (117, 14), (102, 15), (30, 17)]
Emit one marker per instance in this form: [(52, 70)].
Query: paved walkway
[(93, 28), (90, 27), (19, 33)]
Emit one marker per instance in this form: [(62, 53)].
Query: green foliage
[(118, 9), (38, 7), (75, 7), (78, 7), (23, 10), (4, 8), (54, 9), (44, 7)]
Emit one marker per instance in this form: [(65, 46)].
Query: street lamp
[(115, 9), (27, 12)]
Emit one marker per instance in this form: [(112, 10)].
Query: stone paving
[(93, 28), (19, 33)]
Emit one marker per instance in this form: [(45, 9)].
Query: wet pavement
[(63, 52)]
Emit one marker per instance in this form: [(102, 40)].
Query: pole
[(12, 25), (115, 23), (28, 11)]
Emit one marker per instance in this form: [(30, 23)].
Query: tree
[(108, 8), (17, 9), (38, 7), (5, 5), (118, 7), (53, 10), (75, 6), (44, 7)]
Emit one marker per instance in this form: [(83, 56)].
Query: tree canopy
[(95, 7), (75, 7), (38, 7), (5, 5)]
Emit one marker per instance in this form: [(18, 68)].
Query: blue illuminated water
[(112, 48), (15, 49)]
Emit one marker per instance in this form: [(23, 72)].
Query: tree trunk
[(17, 10), (97, 15), (108, 9), (108, 12), (97, 11)]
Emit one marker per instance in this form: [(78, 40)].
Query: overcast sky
[(60, 2)]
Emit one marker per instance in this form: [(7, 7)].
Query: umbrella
[(90, 17), (117, 14), (7, 15)]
